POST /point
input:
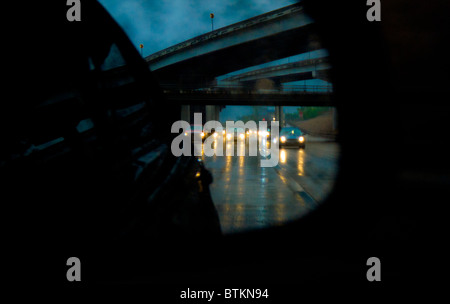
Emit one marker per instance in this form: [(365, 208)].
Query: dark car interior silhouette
[(86, 168)]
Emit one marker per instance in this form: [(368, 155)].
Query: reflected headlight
[(215, 134), (242, 136), (228, 136), (202, 134), (301, 139), (282, 139), (223, 132)]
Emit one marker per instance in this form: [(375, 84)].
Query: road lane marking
[(295, 187)]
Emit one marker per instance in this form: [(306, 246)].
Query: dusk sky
[(159, 24)]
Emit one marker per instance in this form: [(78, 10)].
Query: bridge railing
[(240, 89), (279, 67), (308, 88)]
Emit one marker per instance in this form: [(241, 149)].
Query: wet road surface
[(248, 196)]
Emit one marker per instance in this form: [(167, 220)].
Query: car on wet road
[(291, 136), (235, 134)]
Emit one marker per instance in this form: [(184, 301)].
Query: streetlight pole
[(212, 21), (141, 46)]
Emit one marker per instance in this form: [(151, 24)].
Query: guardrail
[(240, 89), (308, 88), (280, 67)]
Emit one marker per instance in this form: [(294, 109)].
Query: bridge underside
[(304, 99), (278, 80), (282, 73), (201, 70)]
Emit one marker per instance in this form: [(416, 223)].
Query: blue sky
[(159, 24)]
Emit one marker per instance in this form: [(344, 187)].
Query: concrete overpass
[(210, 101), (305, 95), (317, 68), (187, 71), (274, 35)]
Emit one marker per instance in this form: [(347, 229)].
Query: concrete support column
[(212, 112), (279, 115), (334, 113), (282, 119), (217, 108), (186, 113)]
